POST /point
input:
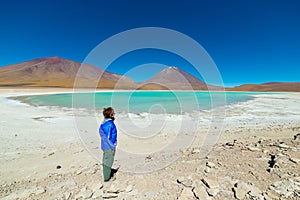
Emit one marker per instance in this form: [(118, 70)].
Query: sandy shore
[(42, 155)]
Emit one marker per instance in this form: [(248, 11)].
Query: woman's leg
[(108, 159)]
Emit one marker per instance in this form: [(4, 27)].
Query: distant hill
[(176, 79), (268, 87), (59, 72)]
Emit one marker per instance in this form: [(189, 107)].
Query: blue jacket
[(108, 134)]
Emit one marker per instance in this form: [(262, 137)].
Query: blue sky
[(251, 41)]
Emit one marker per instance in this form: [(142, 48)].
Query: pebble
[(187, 182), (212, 191), (78, 172), (253, 148), (195, 150), (207, 170), (240, 190), (283, 146), (297, 136), (231, 144), (200, 192), (294, 160), (210, 182), (109, 195), (50, 154), (129, 188), (186, 152), (210, 164), (186, 194), (67, 195)]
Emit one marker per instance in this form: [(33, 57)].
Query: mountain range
[(59, 72)]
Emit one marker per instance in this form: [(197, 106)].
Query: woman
[(108, 133)]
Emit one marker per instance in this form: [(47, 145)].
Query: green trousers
[(107, 162)]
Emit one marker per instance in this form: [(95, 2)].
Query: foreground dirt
[(262, 169)]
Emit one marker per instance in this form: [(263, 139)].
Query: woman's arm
[(112, 136)]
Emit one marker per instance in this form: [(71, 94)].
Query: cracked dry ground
[(262, 169)]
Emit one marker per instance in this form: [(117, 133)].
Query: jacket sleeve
[(113, 134)]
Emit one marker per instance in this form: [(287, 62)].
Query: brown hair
[(108, 112)]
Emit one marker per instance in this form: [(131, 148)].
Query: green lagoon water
[(141, 101)]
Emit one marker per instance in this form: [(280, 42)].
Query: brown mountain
[(59, 72), (175, 79), (269, 87)]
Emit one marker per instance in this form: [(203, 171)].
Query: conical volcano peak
[(173, 67)]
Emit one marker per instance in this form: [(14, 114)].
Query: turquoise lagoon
[(141, 101)]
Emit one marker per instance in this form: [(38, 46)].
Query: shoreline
[(63, 89)]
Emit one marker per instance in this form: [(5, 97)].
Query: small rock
[(207, 170), (283, 146), (39, 190), (200, 192), (240, 190), (58, 167), (78, 172), (186, 152), (231, 144), (109, 195), (129, 188), (50, 154), (67, 195), (294, 160), (210, 164), (253, 148), (256, 197), (255, 193), (187, 182), (186, 194), (266, 197), (195, 150), (265, 151), (212, 191), (149, 157), (210, 183), (297, 136)]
